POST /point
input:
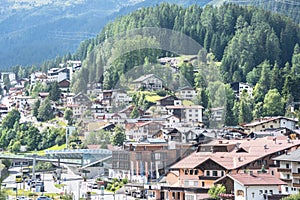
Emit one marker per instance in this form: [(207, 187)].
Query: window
[(191, 172), (203, 184), (186, 172), (215, 173), (207, 173), (157, 156), (260, 192), (189, 197), (196, 172), (222, 173), (271, 192), (272, 173), (287, 166), (263, 126), (196, 183), (287, 189), (186, 183), (288, 176)]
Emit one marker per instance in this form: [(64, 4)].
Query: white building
[(250, 186), (187, 93), (148, 82), (289, 171), (239, 87), (188, 114)]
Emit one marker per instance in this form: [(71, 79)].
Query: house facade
[(137, 160), (288, 168), (271, 123), (148, 82), (187, 93), (251, 186), (214, 160)]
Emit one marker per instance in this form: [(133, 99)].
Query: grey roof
[(290, 156), (145, 77)]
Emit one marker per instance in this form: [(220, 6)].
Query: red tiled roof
[(256, 180), (233, 160), (93, 146), (265, 120)]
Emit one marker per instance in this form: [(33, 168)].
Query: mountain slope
[(33, 31), (290, 8)]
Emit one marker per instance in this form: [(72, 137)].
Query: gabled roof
[(265, 120), (291, 156), (145, 77), (254, 180), (168, 96), (257, 149)]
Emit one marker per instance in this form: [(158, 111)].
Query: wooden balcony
[(284, 170), (296, 175), (296, 185), (288, 181), (209, 178)]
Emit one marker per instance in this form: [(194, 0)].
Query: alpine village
[(171, 101)]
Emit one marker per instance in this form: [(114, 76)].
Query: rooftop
[(254, 180), (247, 152)]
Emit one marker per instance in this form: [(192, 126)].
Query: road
[(74, 185)]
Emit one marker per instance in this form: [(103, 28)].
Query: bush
[(161, 93), (108, 187), (125, 181)]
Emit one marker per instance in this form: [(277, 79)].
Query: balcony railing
[(284, 170), (289, 181), (296, 185), (296, 175), (209, 177)]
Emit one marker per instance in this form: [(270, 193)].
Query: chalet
[(187, 93), (64, 85), (148, 82), (239, 87), (251, 186), (168, 101), (80, 99), (262, 124), (127, 111), (214, 160), (288, 167), (120, 97), (142, 130), (188, 135), (105, 96), (171, 121), (187, 114), (37, 77), (98, 110), (115, 118)]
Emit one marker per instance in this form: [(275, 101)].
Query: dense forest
[(289, 8), (252, 45)]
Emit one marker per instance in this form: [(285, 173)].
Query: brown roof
[(255, 180), (265, 120), (256, 149), (93, 146)]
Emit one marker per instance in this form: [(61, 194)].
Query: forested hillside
[(252, 45), (34, 31), (289, 8)]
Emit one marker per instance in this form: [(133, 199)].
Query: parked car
[(43, 198), (93, 185)]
